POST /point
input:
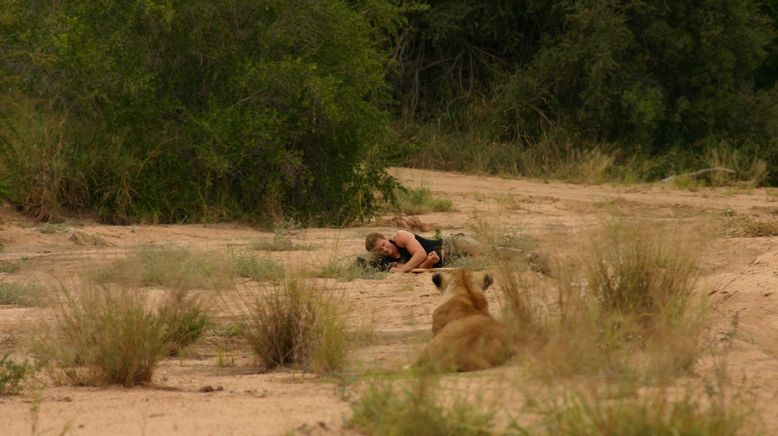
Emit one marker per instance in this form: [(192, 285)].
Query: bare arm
[(418, 255)]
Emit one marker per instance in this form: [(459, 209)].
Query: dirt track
[(740, 274)]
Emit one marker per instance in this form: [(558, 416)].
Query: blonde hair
[(372, 239)]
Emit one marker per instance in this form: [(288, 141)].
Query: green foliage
[(508, 84), (13, 375), (181, 111)]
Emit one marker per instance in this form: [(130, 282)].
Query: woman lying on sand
[(405, 251)]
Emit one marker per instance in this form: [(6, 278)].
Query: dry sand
[(740, 275)]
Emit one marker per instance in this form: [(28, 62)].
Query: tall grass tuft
[(643, 272), (292, 323), (525, 318), (170, 267), (383, 410)]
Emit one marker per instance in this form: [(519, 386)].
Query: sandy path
[(740, 275)]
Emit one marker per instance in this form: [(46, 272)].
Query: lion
[(466, 336)]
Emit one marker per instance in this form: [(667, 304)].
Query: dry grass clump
[(20, 294), (623, 303), (8, 267), (497, 236), (653, 413), (640, 272), (114, 335), (385, 410), (742, 226), (257, 268), (291, 323), (419, 201), (170, 267), (280, 242)]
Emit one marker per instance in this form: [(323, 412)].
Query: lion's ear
[(437, 279), (488, 280)]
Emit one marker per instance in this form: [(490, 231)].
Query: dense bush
[(191, 110), (665, 80)]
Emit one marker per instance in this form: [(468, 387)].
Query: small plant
[(382, 410), (8, 267), (22, 295), (257, 268), (346, 272), (106, 335), (279, 242), (185, 321), (292, 324), (169, 267), (49, 228), (420, 201), (13, 375)]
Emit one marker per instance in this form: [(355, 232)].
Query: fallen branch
[(425, 270), (699, 173)]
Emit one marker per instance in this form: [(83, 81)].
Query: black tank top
[(429, 245)]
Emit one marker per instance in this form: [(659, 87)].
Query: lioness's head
[(461, 280)]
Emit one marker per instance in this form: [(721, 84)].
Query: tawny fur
[(466, 336)]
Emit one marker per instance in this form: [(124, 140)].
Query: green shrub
[(13, 375), (184, 121)]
